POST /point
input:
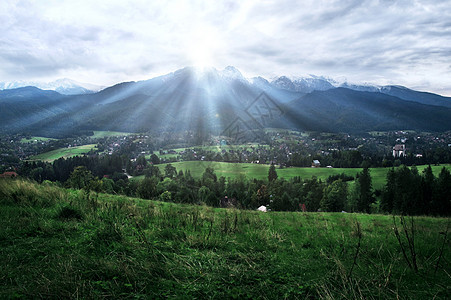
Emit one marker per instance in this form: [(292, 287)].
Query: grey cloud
[(339, 12), (79, 34), (28, 65), (288, 60), (262, 50)]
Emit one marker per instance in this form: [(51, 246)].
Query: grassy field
[(35, 139), (64, 152), (258, 171), (58, 243), (216, 148), (231, 147), (102, 134)]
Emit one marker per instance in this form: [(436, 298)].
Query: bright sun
[(201, 55), (203, 46)]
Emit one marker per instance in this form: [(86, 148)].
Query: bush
[(67, 213)]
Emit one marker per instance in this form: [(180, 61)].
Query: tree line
[(406, 191), (409, 192)]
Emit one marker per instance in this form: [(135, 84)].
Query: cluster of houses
[(399, 150)]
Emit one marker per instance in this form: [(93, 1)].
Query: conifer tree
[(442, 203), (272, 174), (428, 190), (365, 192)]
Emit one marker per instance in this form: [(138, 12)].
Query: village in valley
[(285, 148), (222, 173)]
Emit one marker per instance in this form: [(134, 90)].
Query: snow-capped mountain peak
[(63, 86), (283, 82), (303, 84), (233, 73)]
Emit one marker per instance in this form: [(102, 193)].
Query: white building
[(399, 150)]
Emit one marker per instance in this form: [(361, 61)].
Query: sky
[(105, 42)]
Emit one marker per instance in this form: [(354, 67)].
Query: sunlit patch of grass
[(102, 134), (36, 139), (64, 152)]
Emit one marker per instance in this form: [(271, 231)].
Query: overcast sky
[(105, 42)]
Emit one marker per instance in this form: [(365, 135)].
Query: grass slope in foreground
[(58, 243), (64, 152)]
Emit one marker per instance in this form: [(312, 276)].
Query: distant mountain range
[(63, 86), (211, 100)]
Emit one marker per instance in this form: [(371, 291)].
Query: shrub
[(67, 213)]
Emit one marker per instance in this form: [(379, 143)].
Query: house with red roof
[(9, 174)]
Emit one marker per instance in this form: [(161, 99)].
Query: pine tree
[(272, 174), (403, 201), (388, 194), (428, 190), (442, 203), (415, 193), (365, 192)]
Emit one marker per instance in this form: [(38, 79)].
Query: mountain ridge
[(63, 86), (303, 84), (209, 100)]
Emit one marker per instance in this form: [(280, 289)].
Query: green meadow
[(216, 149), (102, 134), (260, 171), (36, 139), (58, 243), (64, 152)]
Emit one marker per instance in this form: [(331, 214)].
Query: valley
[(225, 150), (167, 166), (208, 183)]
